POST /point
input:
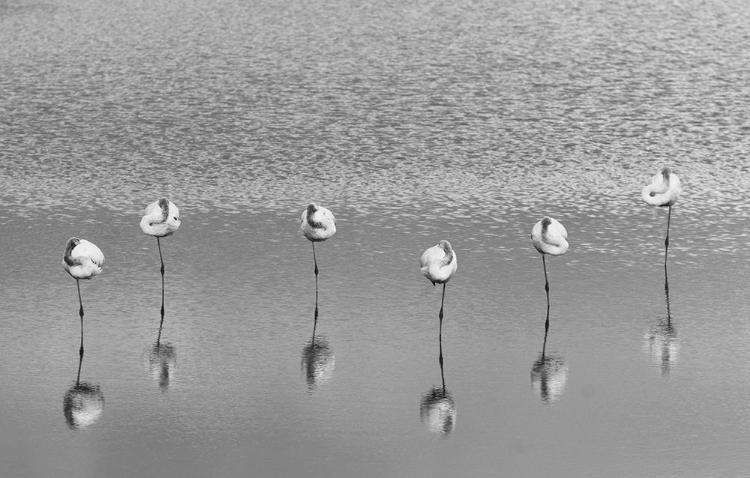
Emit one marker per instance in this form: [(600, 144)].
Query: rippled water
[(413, 121)]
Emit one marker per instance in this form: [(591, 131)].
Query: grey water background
[(413, 122)]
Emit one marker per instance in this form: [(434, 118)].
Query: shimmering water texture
[(219, 349)]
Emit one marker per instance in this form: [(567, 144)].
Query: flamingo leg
[(546, 289), (442, 301), (161, 259), (666, 240), (546, 331), (546, 282), (442, 373), (80, 313), (315, 326), (78, 377), (315, 261)]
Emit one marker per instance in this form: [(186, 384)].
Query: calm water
[(413, 121)]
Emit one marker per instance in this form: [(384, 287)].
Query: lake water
[(413, 122)]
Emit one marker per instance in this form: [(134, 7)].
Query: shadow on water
[(318, 360), (661, 337), (549, 373), (83, 402), (437, 409)]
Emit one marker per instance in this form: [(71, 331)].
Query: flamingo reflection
[(318, 360), (437, 410), (549, 373), (661, 338), (83, 402), (162, 362)]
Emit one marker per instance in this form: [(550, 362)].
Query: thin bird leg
[(78, 377), (315, 326), (666, 294), (666, 241), (546, 330), (158, 336), (161, 259), (546, 289), (442, 301), (80, 312), (315, 261), (442, 373)]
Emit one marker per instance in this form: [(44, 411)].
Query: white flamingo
[(438, 264), (82, 260), (664, 191), (161, 219), (549, 237), (318, 224)]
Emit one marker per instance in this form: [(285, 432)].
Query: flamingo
[(318, 224), (663, 191), (438, 264), (162, 218), (82, 260), (549, 237)]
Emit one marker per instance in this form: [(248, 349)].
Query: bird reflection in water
[(437, 410), (161, 363), (83, 403), (318, 360), (549, 374), (661, 338), (162, 360)]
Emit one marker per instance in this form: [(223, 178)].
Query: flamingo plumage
[(549, 237), (317, 224), (438, 264), (161, 219), (663, 191), (82, 260)]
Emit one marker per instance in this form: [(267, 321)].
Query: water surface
[(414, 122)]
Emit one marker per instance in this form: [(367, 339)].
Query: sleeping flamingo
[(663, 191), (438, 264), (318, 225), (162, 218), (549, 237), (82, 260)]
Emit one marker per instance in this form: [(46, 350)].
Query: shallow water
[(413, 122)]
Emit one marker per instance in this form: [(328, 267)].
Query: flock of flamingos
[(84, 260)]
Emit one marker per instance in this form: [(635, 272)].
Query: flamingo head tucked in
[(162, 218), (67, 257), (317, 223), (664, 190), (549, 237), (446, 246), (82, 259), (439, 263)]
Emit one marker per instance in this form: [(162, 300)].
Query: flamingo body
[(82, 259), (439, 263), (664, 189), (549, 237), (161, 219), (318, 223)]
